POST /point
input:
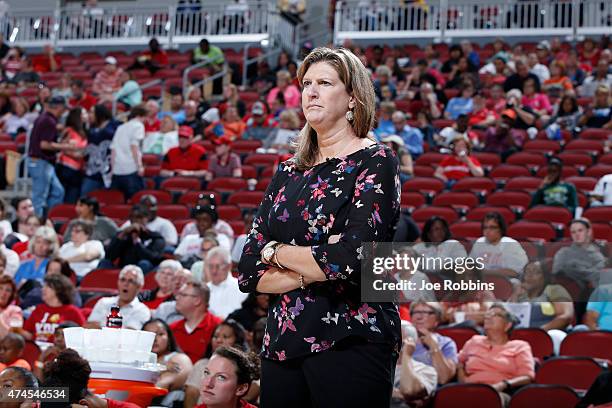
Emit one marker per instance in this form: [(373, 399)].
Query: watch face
[(268, 253)]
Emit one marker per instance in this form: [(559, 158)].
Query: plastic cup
[(110, 337), (91, 337), (74, 337), (129, 339), (459, 317), (145, 341)]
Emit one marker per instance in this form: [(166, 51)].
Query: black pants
[(353, 374)]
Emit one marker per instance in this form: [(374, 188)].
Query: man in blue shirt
[(412, 137)]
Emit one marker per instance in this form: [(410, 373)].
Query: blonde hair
[(358, 84), (49, 235), (291, 117)]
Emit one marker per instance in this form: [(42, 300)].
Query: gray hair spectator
[(225, 297)]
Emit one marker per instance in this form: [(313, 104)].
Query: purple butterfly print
[(376, 214), (297, 309), (281, 355), (284, 217)]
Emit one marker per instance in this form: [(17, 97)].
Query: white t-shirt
[(159, 143), (129, 134), (69, 249), (604, 188), (225, 297), (134, 314), (163, 226), (192, 245), (507, 253), (448, 249), (12, 260)]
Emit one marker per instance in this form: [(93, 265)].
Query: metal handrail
[(188, 70), (142, 88), (249, 61)]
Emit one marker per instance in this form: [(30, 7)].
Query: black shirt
[(514, 81)]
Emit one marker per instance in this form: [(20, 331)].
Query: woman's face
[(41, 247), (58, 339), (223, 336), (567, 105), (463, 64), (160, 345), (580, 233), (492, 231), (220, 383), (83, 210), (25, 209), (528, 88), (437, 232), (601, 98), (228, 92), (165, 279), (386, 93), (283, 59), (48, 294), (11, 379), (497, 93), (554, 70), (324, 97), (167, 125), (20, 109), (203, 222), (32, 225), (533, 278), (54, 268), (78, 235), (6, 292), (231, 114)]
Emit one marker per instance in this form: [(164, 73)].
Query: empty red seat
[(249, 172), (62, 212), (594, 344), (599, 214), (539, 340), (163, 197), (514, 199), (246, 199), (423, 171), (460, 335), (475, 184), (487, 159), (151, 160), (180, 224), (430, 158), (424, 213), (463, 200), (509, 171), (575, 159), (527, 159), (602, 230), (532, 230), (181, 184), (566, 171), (593, 146), (261, 159), (559, 215), (229, 212), (466, 395), (576, 372), (598, 170), (605, 159), (586, 184), (528, 184), (478, 213), (544, 395), (237, 226), (425, 185), (100, 280), (412, 200), (31, 353), (173, 211), (466, 230), (116, 210), (263, 184), (245, 146), (503, 287), (227, 184), (108, 196), (542, 146), (595, 134)]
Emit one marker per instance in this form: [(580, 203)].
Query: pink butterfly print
[(281, 355), (284, 217), (364, 310), (288, 324), (376, 214), (380, 152)]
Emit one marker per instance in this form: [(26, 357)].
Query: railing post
[(171, 19), (244, 64), (575, 19), (337, 21), (57, 21), (443, 19)]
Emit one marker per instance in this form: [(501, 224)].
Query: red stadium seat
[(163, 197), (150, 283), (412, 200), (442, 123), (424, 185), (423, 171), (466, 230), (599, 214), (529, 184), (62, 212), (458, 200), (527, 159), (544, 395), (4, 146), (558, 215), (249, 172), (566, 171), (605, 159), (478, 213), (514, 199), (532, 230), (237, 226), (460, 335), (263, 184), (229, 212), (576, 372), (245, 146), (595, 134), (246, 199), (488, 160), (261, 159), (592, 146), (191, 197), (430, 158), (180, 224), (108, 196), (508, 171), (475, 184), (539, 340), (586, 184), (503, 286), (598, 170), (602, 230), (466, 395), (542, 146), (424, 213), (100, 280), (594, 344), (116, 210), (227, 184), (181, 184), (173, 211), (151, 160), (575, 159)]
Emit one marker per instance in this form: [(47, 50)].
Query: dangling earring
[(349, 116)]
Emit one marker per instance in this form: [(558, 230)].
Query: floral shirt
[(356, 196)]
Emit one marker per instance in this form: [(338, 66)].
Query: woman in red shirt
[(460, 164), (70, 161), (227, 378)]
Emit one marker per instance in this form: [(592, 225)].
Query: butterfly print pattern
[(356, 197)]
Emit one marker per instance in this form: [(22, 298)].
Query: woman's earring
[(349, 116)]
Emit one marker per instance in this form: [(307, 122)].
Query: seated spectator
[(225, 297), (167, 310), (470, 54), (70, 163), (19, 242), (18, 120), (188, 159), (164, 277), (558, 83), (178, 365), (192, 303), (27, 77), (573, 69), (494, 359), (497, 99), (12, 63), (537, 101), (429, 101), (599, 76), (462, 104), (460, 164), (161, 225), (290, 92), (602, 193), (437, 242), (224, 163), (553, 191), (196, 262), (32, 294), (82, 252), (176, 107), (59, 345), (497, 66), (598, 314), (412, 273), (525, 116), (42, 246), (154, 59), (130, 93), (87, 209), (599, 115), (481, 116), (503, 138), (11, 351), (49, 61), (565, 116), (590, 52), (10, 314), (126, 156), (582, 261), (259, 125), (232, 98), (412, 137), (161, 141), (502, 255), (193, 120), (230, 126), (229, 333), (539, 70), (57, 307), (136, 244), (454, 54), (427, 129), (64, 88), (516, 81), (205, 51), (383, 79), (44, 93), (14, 378), (135, 314), (384, 120), (152, 123), (461, 72), (414, 381), (220, 227), (107, 80), (551, 304), (253, 308), (79, 97), (396, 144), (461, 128), (281, 137), (205, 218), (433, 349)]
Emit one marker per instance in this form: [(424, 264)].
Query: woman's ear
[(242, 390), (352, 102)]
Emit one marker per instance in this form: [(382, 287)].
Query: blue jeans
[(47, 190), (129, 184)]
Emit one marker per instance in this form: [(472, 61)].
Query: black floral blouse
[(357, 196)]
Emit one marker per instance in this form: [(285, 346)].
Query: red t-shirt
[(111, 403), (154, 304), (194, 344), (152, 125), (86, 102), (159, 58), (44, 320), (455, 169), (41, 63), (194, 158), (477, 117)]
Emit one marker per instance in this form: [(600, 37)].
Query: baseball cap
[(258, 108), (57, 100), (555, 161), (543, 45), (110, 60), (393, 139), (509, 113), (185, 131)]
